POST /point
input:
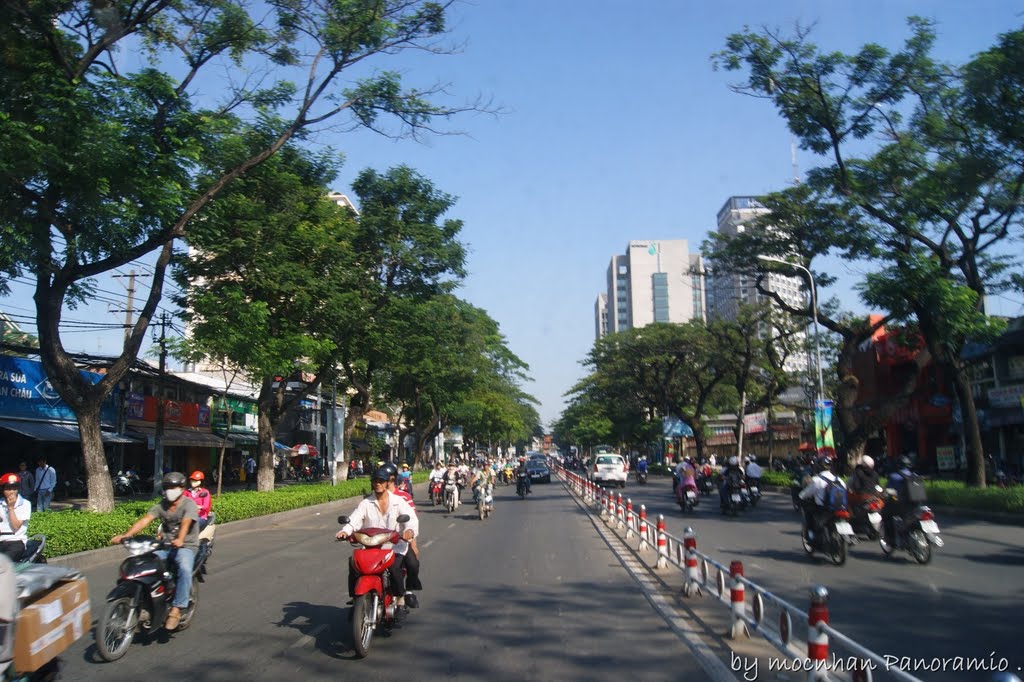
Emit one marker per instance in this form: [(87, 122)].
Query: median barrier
[(816, 659)]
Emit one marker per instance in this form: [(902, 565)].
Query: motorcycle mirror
[(404, 518), (342, 520)]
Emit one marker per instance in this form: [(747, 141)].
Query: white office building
[(654, 281), (728, 290)]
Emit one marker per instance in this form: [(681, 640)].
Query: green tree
[(940, 185), (406, 251), (101, 165)]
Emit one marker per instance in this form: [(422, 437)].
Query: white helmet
[(868, 462), (734, 461)]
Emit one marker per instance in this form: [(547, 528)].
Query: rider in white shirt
[(753, 469), (15, 511)]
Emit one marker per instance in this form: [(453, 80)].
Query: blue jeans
[(185, 558), (43, 498)]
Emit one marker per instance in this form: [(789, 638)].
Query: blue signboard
[(26, 393)]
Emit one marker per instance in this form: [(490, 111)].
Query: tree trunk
[(265, 448), (972, 431), (101, 489)]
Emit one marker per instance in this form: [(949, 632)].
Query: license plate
[(754, 491), (875, 518), (690, 494), (844, 528), (930, 527), (735, 497)]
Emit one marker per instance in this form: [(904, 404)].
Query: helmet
[(868, 462), (733, 461), (405, 465), (197, 476), (10, 479), (174, 479), (906, 462), (381, 474), (822, 463), (751, 459), (390, 468)]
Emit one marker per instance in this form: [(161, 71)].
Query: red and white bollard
[(603, 501), (629, 518), (737, 596), (662, 543), (692, 584), (817, 641), (644, 546), (620, 513)]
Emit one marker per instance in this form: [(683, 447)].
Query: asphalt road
[(533, 593), (965, 603)]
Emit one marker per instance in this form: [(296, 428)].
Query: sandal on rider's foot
[(412, 601), (173, 618)]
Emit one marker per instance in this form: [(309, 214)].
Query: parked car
[(609, 468), (538, 471)]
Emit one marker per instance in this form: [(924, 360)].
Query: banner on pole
[(825, 442)]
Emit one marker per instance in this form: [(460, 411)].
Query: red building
[(923, 425)]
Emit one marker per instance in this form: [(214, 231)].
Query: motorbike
[(866, 515), (485, 501), (122, 485), (915, 532), (705, 484), (736, 497), (641, 477), (20, 586), (139, 602), (373, 605), (687, 499), (508, 475), (753, 488), (833, 539), (34, 547), (436, 492), (522, 486), (451, 496)]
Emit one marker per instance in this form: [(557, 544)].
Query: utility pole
[(130, 307), (158, 439)]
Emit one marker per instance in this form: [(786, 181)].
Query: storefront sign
[(945, 457), (755, 423), (26, 393), (1006, 396)]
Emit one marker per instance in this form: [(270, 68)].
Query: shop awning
[(57, 432), (241, 437), (185, 438)]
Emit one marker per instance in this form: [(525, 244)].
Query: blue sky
[(614, 127)]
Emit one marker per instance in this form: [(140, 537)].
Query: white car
[(609, 468)]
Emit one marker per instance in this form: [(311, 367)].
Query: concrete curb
[(84, 561)]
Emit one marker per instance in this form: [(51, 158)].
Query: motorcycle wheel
[(481, 510), (808, 547), (193, 604), (919, 547), (837, 546), (113, 634), (362, 623), (887, 549)]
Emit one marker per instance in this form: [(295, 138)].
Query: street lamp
[(814, 312)]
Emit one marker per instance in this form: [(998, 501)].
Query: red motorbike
[(436, 492), (374, 603)]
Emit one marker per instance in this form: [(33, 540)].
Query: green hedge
[(70, 531), (781, 478), (957, 494)]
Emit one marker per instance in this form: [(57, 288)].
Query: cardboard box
[(51, 624)]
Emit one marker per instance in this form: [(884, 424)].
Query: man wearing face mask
[(179, 522)]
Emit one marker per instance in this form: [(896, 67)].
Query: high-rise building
[(654, 281), (728, 290)]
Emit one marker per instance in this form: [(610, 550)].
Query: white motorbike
[(485, 501)]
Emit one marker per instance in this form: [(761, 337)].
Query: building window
[(659, 283)]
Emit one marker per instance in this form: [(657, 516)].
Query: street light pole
[(814, 313)]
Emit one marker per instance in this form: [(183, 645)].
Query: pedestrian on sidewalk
[(27, 486), (250, 473), (46, 481)]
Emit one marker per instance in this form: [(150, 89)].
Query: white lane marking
[(451, 525), (426, 544), (306, 639)]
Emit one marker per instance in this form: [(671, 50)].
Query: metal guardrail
[(700, 569)]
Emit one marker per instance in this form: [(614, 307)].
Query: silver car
[(609, 468)]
